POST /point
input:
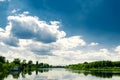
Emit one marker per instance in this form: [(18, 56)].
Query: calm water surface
[(63, 74)]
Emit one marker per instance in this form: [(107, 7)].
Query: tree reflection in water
[(24, 74), (102, 74), (16, 74)]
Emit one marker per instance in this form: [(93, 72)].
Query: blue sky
[(89, 18), (96, 22)]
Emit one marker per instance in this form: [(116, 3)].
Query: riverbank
[(96, 66), (19, 65)]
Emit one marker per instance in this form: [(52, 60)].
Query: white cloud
[(14, 11), (70, 42), (117, 49), (78, 56), (25, 13), (29, 27), (6, 37), (1, 30), (28, 37), (93, 44)]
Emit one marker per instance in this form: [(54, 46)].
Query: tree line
[(97, 65), (21, 66), (6, 66)]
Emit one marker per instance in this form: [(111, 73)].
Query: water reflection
[(2, 76), (60, 74), (101, 74), (17, 74)]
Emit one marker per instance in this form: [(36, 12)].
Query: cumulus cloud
[(29, 27), (12, 41), (7, 38), (61, 44), (77, 56), (18, 52), (117, 49), (1, 30), (70, 42), (29, 37)]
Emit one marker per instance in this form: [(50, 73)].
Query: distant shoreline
[(96, 66)]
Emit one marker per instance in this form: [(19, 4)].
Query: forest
[(24, 66), (96, 65)]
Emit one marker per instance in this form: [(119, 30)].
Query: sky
[(60, 32)]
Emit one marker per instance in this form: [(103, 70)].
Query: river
[(63, 74)]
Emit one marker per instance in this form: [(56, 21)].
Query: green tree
[(36, 64), (1, 67), (2, 59), (41, 65), (16, 61), (46, 66), (30, 64), (23, 64), (24, 61)]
